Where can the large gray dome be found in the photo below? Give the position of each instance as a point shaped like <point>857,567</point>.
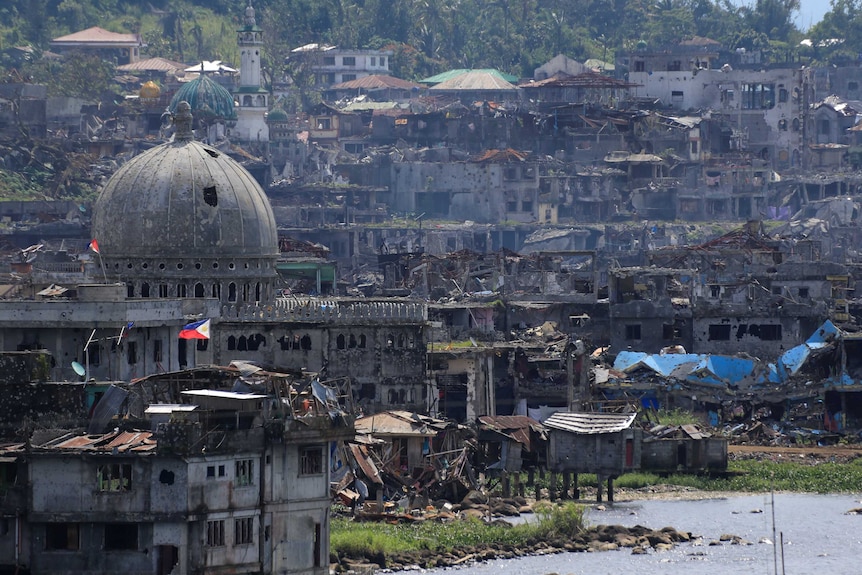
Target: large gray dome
<point>185,220</point>
<point>184,199</point>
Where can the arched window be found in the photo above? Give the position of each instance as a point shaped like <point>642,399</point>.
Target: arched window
<point>242,344</point>
<point>339,341</point>
<point>245,292</point>
<point>390,341</point>
<point>257,292</point>
<point>231,292</point>
<point>145,289</point>
<point>246,100</point>
<point>216,290</point>
<point>130,290</point>
<point>199,290</point>
<point>231,343</point>
<point>305,342</point>
<point>401,340</point>
<point>402,396</point>
<point>393,396</point>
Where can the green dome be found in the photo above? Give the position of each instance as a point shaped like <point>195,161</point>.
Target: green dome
<point>206,97</point>
<point>277,115</point>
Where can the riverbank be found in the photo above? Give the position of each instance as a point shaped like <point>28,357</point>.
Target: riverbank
<point>404,544</point>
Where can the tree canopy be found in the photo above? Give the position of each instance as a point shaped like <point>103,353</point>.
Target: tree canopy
<point>430,36</point>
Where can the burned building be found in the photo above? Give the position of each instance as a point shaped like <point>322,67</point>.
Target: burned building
<point>212,480</point>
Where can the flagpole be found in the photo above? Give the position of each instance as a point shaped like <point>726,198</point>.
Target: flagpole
<point>102,265</point>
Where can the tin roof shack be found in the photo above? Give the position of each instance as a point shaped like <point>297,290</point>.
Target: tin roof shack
<point>223,481</point>
<point>602,443</point>
<point>683,448</point>
<point>409,439</point>
<point>510,443</point>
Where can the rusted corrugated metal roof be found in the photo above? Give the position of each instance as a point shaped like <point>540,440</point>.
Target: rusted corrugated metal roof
<point>365,464</point>
<point>399,423</point>
<point>590,422</point>
<point>121,441</point>
<point>517,427</point>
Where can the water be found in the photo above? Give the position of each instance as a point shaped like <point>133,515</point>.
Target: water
<point>819,539</point>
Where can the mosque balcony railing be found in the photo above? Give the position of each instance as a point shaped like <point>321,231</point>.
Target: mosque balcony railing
<point>331,311</point>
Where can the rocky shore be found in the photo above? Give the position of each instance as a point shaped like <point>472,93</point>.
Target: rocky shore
<point>593,539</point>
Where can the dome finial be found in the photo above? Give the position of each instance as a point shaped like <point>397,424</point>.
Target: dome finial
<point>182,120</point>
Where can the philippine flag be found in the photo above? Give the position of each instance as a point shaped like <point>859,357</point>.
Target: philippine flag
<point>196,330</point>
<point>94,245</point>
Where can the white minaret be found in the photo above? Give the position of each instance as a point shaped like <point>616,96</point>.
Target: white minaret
<point>252,99</point>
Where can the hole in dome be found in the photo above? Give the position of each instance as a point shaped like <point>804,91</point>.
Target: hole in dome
<point>215,265</point>
<point>180,266</point>
<point>210,196</point>
<point>161,266</point>
<point>231,265</point>
<point>212,153</point>
<point>197,265</point>
<point>145,265</point>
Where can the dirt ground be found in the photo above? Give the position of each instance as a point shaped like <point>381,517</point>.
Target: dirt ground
<point>816,454</point>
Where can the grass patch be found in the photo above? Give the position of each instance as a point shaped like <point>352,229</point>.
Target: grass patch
<point>355,539</point>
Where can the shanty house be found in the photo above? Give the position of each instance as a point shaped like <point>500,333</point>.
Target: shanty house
<point>683,448</point>
<point>510,443</point>
<point>408,438</point>
<point>600,443</point>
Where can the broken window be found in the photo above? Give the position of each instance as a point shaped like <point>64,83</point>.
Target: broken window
<point>758,96</point>
<point>676,97</point>
<point>62,537</point>
<point>339,341</point>
<point>670,332</point>
<point>803,292</point>
<point>640,66</point>
<point>145,289</point>
<point>512,206</point>
<point>719,332</point>
<point>352,343</point>
<point>231,292</point>
<point>824,127</point>
<point>131,353</point>
<point>715,291</point>
<point>94,354</point>
<point>311,460</point>
<point>348,61</point>
<point>115,477</point>
<point>231,343</point>
<point>674,66</point>
<point>305,342</point>
<point>121,536</point>
<point>244,472</point>
<point>362,340</point>
<point>527,206</point>
<point>783,95</point>
<point>157,350</point>
<point>633,332</point>
<point>202,344</point>
<point>215,533</point>
<point>770,332</point>
<point>329,60</point>
<point>181,290</point>
<point>243,531</point>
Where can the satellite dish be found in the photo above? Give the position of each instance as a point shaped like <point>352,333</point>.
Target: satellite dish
<point>79,369</point>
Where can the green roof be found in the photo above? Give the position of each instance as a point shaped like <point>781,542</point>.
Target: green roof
<point>205,96</point>
<point>461,71</point>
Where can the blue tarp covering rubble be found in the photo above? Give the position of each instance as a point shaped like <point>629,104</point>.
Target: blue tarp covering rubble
<point>736,371</point>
